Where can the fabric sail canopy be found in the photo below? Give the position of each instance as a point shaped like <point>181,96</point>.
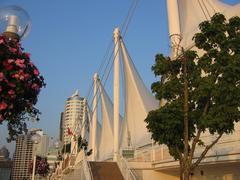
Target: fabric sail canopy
<point>106,140</point>
<point>193,12</point>
<point>138,102</point>
<point>99,129</point>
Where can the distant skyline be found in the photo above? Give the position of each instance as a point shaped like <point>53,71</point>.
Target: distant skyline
<point>68,40</point>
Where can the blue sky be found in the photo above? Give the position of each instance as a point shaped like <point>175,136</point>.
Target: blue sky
<point>68,40</point>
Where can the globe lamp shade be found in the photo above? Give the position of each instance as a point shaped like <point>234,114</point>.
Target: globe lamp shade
<point>14,22</point>
<point>57,144</point>
<point>36,138</point>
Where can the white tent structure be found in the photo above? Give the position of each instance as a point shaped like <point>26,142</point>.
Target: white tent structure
<point>138,102</point>
<point>184,17</point>
<point>94,125</point>
<point>106,140</point>
<point>113,134</point>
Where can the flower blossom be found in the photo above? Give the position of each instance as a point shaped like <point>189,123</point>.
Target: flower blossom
<point>8,66</point>
<point>20,63</point>
<point>2,76</point>
<point>11,92</point>
<point>35,86</point>
<point>36,72</point>
<point>3,105</point>
<point>1,41</point>
<point>1,118</point>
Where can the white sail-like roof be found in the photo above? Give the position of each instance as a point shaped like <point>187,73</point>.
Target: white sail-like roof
<point>193,12</point>
<point>106,141</point>
<point>138,102</point>
<point>99,128</point>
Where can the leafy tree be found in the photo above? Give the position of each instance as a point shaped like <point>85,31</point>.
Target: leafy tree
<point>202,92</point>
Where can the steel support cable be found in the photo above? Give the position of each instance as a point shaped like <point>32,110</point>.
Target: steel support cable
<point>206,8</point>
<point>125,28</point>
<point>210,5</point>
<point>110,61</point>
<point>100,68</point>
<point>127,22</point>
<point>129,17</point>
<point>202,10</point>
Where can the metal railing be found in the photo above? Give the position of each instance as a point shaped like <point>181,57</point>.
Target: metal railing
<point>227,146</point>
<point>86,168</point>
<point>127,173</point>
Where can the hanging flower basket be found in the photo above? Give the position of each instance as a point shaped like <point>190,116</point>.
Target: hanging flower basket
<point>20,84</point>
<point>42,166</point>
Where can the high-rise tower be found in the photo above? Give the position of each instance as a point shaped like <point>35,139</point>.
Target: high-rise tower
<point>22,157</point>
<point>73,116</point>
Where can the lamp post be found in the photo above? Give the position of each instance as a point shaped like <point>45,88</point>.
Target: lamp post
<point>58,145</point>
<point>15,22</point>
<point>36,138</point>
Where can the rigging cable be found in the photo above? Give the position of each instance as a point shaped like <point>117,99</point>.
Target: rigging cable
<point>206,9</point>
<point>202,9</point>
<point>111,60</point>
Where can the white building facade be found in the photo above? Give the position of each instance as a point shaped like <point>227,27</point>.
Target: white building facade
<point>73,116</point>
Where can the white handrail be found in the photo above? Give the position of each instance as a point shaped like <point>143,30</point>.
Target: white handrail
<point>124,168</point>
<point>86,168</point>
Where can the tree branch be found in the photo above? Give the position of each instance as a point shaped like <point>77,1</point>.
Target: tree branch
<point>181,163</point>
<point>205,152</point>
<point>179,153</point>
<point>196,139</point>
<point>185,111</point>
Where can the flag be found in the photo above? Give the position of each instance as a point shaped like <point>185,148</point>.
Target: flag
<point>69,132</point>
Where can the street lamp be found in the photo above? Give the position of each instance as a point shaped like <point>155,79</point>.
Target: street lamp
<point>15,22</point>
<point>58,145</point>
<point>36,138</point>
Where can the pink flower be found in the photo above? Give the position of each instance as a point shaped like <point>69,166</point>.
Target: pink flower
<point>7,65</point>
<point>2,77</point>
<point>11,92</point>
<point>28,55</point>
<point>20,63</point>
<point>1,41</point>
<point>21,77</point>
<point>35,87</point>
<point>3,105</point>
<point>1,118</point>
<point>36,72</point>
<point>10,60</point>
<point>13,49</point>
<point>15,76</point>
<point>26,76</point>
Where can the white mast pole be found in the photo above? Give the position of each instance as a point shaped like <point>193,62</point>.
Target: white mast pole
<point>83,133</point>
<point>174,27</point>
<point>116,90</point>
<point>94,118</point>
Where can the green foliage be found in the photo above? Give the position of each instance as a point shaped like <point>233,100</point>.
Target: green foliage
<point>213,77</point>
<point>82,144</point>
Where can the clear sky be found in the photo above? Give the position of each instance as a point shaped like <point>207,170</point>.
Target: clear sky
<point>69,38</point>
